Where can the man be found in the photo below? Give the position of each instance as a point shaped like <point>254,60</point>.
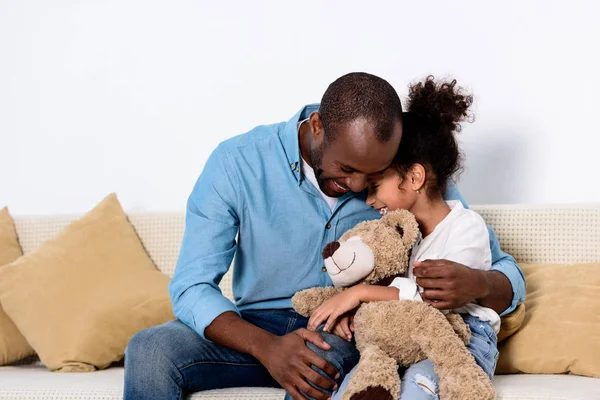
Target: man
<point>285,190</point>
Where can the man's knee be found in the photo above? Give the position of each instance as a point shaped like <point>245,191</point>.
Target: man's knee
<point>150,364</point>
<point>343,355</point>
<point>155,348</point>
<point>143,350</point>
<point>138,343</point>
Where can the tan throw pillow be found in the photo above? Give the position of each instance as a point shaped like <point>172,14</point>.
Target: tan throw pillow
<point>82,295</point>
<point>13,346</point>
<point>561,329</point>
<point>10,249</point>
<point>511,323</point>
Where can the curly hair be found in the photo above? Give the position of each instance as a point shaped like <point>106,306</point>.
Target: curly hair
<point>360,95</point>
<point>435,111</point>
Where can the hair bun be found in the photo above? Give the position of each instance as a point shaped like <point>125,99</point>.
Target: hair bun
<point>439,103</point>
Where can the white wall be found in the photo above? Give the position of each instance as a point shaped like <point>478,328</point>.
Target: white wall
<point>131,96</point>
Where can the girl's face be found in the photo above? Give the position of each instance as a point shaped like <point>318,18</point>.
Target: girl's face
<point>389,192</point>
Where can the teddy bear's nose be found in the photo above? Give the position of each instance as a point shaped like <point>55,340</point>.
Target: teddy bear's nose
<point>330,249</point>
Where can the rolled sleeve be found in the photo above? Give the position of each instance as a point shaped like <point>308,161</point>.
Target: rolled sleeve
<point>408,289</point>
<point>506,264</point>
<point>208,246</point>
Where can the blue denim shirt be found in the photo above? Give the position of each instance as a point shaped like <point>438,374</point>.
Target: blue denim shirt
<point>252,187</point>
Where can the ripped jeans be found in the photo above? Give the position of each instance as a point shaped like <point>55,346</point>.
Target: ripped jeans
<point>420,380</point>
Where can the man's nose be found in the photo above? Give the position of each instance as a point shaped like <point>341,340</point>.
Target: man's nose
<point>329,249</point>
<point>357,182</point>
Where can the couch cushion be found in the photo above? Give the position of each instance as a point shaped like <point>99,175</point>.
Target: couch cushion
<point>561,330</point>
<point>36,382</point>
<point>13,346</point>
<point>80,297</point>
<point>546,387</point>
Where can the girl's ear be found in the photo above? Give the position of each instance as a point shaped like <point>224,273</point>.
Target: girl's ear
<point>416,177</point>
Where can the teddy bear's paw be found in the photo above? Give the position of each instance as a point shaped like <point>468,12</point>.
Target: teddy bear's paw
<point>306,301</point>
<point>303,302</point>
<point>373,393</point>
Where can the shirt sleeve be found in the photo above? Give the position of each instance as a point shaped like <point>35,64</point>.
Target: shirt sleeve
<point>208,246</point>
<point>468,242</point>
<point>501,261</point>
<point>408,289</point>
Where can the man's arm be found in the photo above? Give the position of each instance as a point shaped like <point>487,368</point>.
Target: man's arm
<point>505,268</point>
<point>206,253</point>
<point>208,247</point>
<point>501,289</point>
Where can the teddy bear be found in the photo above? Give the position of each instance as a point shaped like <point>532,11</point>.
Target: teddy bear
<point>398,333</point>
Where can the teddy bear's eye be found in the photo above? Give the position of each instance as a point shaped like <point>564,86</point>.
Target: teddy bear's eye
<point>400,230</point>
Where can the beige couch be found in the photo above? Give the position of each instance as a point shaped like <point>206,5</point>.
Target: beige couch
<point>533,235</point>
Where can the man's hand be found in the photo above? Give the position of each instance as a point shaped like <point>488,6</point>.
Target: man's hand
<point>334,308</point>
<point>289,360</point>
<point>449,285</point>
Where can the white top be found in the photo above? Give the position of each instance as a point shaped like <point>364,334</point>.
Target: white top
<point>461,237</point>
<point>309,174</point>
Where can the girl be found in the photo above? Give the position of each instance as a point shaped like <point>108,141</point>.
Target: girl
<point>427,159</point>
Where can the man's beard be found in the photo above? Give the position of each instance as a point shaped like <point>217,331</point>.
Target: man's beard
<point>316,159</point>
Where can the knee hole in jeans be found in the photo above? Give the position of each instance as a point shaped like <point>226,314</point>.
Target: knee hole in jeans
<point>426,384</point>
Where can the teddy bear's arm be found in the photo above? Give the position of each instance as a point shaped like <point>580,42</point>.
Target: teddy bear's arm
<point>305,301</point>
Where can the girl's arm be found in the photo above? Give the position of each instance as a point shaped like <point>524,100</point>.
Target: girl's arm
<point>348,300</point>
<point>367,293</point>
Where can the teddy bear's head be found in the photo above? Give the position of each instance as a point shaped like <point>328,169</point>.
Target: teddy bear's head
<point>372,250</point>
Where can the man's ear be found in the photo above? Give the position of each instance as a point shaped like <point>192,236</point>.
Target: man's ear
<point>417,177</point>
<point>316,127</point>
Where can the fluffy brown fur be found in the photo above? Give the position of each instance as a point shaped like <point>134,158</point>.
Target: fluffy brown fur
<point>400,333</point>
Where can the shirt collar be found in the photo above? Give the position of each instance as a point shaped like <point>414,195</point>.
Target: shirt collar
<point>290,141</point>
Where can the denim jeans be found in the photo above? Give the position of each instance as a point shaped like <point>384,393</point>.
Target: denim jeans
<point>419,381</point>
<point>171,360</point>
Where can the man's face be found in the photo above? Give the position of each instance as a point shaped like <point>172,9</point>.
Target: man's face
<point>344,164</point>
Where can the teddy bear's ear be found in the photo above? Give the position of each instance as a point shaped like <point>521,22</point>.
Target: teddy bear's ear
<point>405,224</point>
<point>400,230</point>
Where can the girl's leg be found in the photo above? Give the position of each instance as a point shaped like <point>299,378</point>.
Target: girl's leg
<point>420,382</point>
<point>337,395</point>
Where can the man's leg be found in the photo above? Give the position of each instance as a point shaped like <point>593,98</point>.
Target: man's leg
<point>343,355</point>
<point>167,361</point>
<point>420,380</point>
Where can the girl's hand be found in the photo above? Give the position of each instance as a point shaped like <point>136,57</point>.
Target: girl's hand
<point>333,308</point>
<point>345,326</point>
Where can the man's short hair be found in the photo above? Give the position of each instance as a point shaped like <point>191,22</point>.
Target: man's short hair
<point>360,95</point>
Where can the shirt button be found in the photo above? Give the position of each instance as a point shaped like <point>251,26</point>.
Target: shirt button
<point>328,226</point>
<point>324,269</point>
